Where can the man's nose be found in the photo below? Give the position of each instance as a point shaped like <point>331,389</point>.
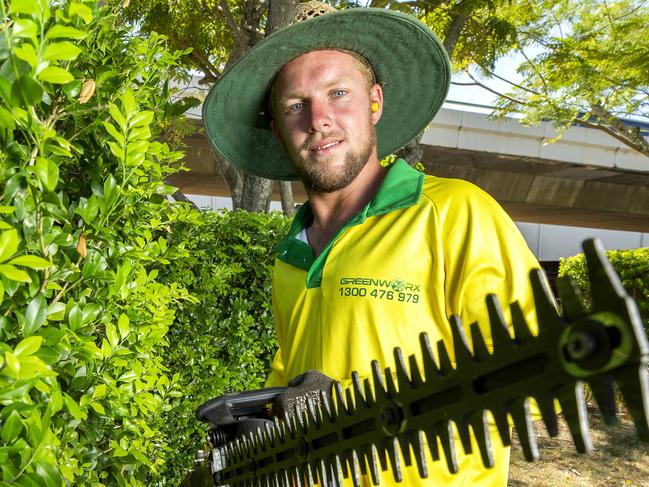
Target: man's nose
<point>319,116</point>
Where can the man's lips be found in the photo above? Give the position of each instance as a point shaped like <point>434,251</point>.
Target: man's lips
<point>324,146</point>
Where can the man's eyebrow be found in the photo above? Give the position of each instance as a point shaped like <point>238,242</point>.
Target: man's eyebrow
<point>327,85</point>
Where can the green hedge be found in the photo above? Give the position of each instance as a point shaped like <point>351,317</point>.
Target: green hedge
<point>84,223</point>
<point>224,339</point>
<point>632,267</point>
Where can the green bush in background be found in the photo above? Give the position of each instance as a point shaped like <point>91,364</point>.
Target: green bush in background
<point>224,339</point>
<point>84,224</point>
<point>631,265</point>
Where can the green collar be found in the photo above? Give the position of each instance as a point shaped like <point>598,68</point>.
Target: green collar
<point>401,188</point>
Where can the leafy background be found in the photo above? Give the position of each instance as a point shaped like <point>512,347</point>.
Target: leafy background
<point>120,312</point>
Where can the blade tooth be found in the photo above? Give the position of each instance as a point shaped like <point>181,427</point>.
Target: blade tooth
<point>462,426</point>
<point>336,471</point>
<point>545,303</point>
<point>445,366</point>
<point>344,464</point>
<point>402,373</point>
<point>549,414</point>
<point>285,478</point>
<point>395,462</point>
<point>313,418</point>
<point>341,406</point>
<point>502,424</point>
<point>480,349</point>
<point>324,408</point>
<point>571,305</point>
<point>321,469</point>
<point>310,481</point>
<point>522,417</point>
<point>383,455</point>
<point>269,436</point>
<point>480,425</point>
<point>389,382</point>
<point>633,381</point>
<point>371,457</point>
<point>417,442</point>
<point>297,476</point>
<point>404,444</point>
<point>460,342</point>
<point>292,424</point>
<point>297,419</point>
<point>447,440</point>
<point>354,468</point>
<point>415,374</point>
<point>369,396</point>
<point>278,430</point>
<point>522,333</point>
<point>431,372</point>
<point>605,286</point>
<point>351,406</point>
<point>500,336</point>
<point>573,405</point>
<point>379,384</point>
<point>604,392</point>
<point>359,397</point>
<point>431,436</point>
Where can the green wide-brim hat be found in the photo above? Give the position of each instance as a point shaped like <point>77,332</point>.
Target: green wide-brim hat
<point>408,60</point>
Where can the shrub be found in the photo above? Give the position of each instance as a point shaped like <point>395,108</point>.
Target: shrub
<point>631,265</point>
<point>224,339</point>
<point>83,232</point>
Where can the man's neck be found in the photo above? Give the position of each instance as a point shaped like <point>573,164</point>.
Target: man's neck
<point>331,211</point>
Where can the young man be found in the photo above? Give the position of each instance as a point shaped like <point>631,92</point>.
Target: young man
<point>377,255</point>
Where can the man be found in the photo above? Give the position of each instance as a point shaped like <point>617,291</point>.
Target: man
<point>377,254</point>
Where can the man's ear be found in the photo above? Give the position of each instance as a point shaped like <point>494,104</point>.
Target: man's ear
<point>376,101</point>
<point>275,130</point>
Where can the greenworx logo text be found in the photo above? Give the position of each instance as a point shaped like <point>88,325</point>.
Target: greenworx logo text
<point>398,285</point>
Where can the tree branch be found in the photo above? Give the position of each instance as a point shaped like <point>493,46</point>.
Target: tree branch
<point>491,90</point>
<point>229,19</point>
<point>494,75</point>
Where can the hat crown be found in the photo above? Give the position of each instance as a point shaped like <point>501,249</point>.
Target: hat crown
<point>309,10</point>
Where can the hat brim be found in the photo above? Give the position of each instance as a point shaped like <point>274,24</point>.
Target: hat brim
<point>409,61</point>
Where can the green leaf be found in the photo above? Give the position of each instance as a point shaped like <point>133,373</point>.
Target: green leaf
<point>117,116</point>
<point>55,75</point>
<point>98,408</point>
<point>29,7</point>
<point>8,244</point>
<point>73,408</point>
<point>26,52</point>
<point>100,391</point>
<point>31,261</point>
<point>28,346</point>
<point>47,172</point>
<point>58,31</point>
<point>12,362</point>
<point>56,401</point>
<point>123,325</point>
<point>6,119</point>
<point>112,130</point>
<point>111,334</point>
<point>7,210</point>
<point>12,427</point>
<point>13,273</point>
<point>46,472</point>
<point>61,51</point>
<point>35,315</point>
<point>26,91</point>
<point>80,10</point>
<point>25,28</point>
<point>129,104</point>
<point>75,318</point>
<point>56,311</point>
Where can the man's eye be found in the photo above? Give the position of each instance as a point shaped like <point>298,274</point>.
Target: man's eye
<point>339,93</point>
<point>295,107</point>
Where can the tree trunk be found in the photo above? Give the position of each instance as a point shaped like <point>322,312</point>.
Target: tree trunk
<point>286,194</point>
<point>453,33</point>
<point>412,151</point>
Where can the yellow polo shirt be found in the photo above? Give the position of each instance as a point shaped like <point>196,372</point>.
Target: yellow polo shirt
<point>423,249</point>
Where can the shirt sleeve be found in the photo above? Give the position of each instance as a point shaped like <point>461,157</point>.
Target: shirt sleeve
<point>484,253</point>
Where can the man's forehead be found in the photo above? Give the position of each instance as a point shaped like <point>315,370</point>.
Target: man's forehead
<point>348,63</point>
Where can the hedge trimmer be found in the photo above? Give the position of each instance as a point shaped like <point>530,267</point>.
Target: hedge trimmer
<point>397,415</point>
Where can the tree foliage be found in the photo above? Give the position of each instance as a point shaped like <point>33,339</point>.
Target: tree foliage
<point>83,229</point>
<point>592,69</point>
